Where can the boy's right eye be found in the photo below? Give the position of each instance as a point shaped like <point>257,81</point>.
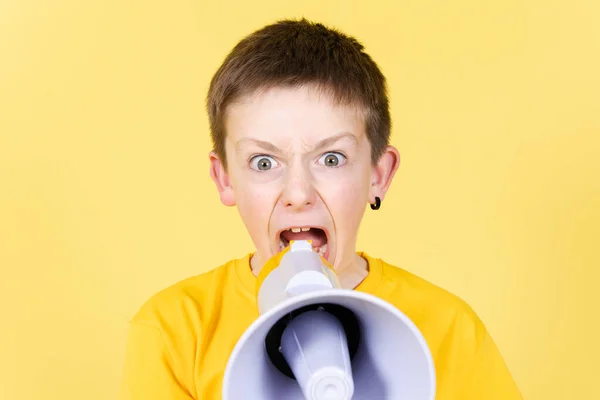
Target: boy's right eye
<point>263,163</point>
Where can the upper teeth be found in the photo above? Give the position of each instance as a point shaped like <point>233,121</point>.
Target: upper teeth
<point>296,230</point>
<point>321,250</point>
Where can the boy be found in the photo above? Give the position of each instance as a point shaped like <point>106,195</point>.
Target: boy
<point>300,123</point>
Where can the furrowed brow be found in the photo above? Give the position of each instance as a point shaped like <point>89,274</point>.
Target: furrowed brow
<point>271,148</point>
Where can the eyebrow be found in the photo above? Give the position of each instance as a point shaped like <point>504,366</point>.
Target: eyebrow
<point>270,147</point>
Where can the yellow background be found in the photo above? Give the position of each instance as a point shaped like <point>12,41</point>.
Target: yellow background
<point>105,196</point>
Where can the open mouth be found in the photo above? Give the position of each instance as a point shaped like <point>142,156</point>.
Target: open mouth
<point>317,236</point>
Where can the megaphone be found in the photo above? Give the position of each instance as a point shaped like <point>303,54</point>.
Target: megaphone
<point>314,340</point>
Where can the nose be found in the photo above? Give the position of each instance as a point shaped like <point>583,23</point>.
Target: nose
<point>298,191</point>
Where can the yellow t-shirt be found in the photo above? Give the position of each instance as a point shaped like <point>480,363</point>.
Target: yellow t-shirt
<point>180,340</point>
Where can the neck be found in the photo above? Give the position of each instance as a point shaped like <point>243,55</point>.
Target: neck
<point>350,274</point>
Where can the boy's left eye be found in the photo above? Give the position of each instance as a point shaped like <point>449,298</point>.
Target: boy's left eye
<point>332,159</point>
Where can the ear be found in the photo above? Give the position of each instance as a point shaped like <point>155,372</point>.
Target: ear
<point>219,175</point>
<point>383,173</point>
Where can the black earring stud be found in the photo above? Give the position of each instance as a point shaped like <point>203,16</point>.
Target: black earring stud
<point>377,204</point>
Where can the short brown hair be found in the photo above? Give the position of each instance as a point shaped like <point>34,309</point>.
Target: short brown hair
<point>292,53</point>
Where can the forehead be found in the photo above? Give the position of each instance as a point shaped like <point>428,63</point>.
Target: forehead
<point>296,113</point>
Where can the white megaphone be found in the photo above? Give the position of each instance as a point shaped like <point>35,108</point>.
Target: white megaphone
<point>317,341</point>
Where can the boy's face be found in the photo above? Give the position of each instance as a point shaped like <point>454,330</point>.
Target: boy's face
<point>295,161</point>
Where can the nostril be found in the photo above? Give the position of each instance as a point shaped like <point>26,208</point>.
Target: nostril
<point>298,198</point>
<point>292,204</point>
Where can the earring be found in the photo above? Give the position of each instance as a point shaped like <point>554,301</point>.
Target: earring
<point>377,204</point>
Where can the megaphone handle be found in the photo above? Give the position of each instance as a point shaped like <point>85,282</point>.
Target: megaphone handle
<point>346,317</point>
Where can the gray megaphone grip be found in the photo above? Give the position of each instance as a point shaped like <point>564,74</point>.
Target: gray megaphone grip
<point>346,317</point>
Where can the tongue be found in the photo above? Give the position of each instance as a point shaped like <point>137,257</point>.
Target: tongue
<point>317,236</point>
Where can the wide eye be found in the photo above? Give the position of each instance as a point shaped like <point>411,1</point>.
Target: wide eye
<point>263,163</point>
<point>332,159</point>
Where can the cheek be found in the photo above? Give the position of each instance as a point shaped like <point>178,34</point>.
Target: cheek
<point>255,204</point>
<point>346,200</point>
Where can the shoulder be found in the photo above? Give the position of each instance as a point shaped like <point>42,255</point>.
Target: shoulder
<point>425,290</point>
<point>188,296</point>
<point>468,363</point>
<point>444,315</point>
